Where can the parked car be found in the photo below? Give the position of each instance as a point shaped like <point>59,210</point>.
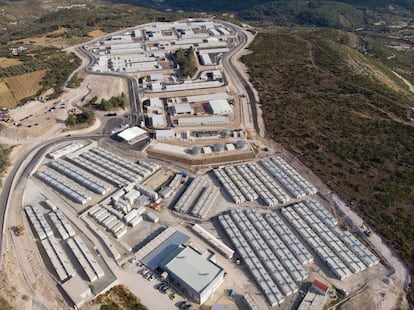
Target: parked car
<point>145,271</point>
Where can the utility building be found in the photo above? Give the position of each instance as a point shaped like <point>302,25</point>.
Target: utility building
<point>196,275</point>
<point>220,107</point>
<point>182,108</point>
<point>133,135</point>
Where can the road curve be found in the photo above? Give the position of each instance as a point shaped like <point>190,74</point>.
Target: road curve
<point>135,104</point>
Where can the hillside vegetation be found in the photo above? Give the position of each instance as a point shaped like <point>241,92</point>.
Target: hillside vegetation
<point>350,14</point>
<point>340,113</point>
<point>237,6</point>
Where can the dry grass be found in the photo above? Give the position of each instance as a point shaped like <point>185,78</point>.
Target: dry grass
<point>8,62</point>
<point>54,38</point>
<point>7,99</point>
<point>13,89</point>
<point>96,33</point>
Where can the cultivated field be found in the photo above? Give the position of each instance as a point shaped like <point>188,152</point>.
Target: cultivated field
<point>7,100</point>
<point>7,62</point>
<point>15,88</point>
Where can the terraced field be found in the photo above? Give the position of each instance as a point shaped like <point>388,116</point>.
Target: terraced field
<point>13,89</point>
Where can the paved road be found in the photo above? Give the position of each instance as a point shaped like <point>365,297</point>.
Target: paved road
<point>238,79</point>
<point>135,104</point>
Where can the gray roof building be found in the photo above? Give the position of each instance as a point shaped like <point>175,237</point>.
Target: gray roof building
<point>195,274</point>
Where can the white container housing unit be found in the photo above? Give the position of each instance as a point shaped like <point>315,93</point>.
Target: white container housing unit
<point>72,147</point>
<point>39,223</point>
<point>255,266</point>
<point>58,258</point>
<point>87,261</point>
<point>66,189</point>
<point>79,177</point>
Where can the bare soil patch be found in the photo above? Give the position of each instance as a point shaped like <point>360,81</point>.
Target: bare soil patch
<point>7,62</point>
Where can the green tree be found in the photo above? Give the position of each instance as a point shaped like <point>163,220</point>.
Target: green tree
<point>71,120</point>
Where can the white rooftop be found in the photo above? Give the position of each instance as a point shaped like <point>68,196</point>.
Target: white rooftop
<point>220,107</point>
<point>165,134</point>
<point>156,103</point>
<point>193,269</point>
<point>131,133</point>
<point>156,76</point>
<point>77,290</point>
<point>183,108</point>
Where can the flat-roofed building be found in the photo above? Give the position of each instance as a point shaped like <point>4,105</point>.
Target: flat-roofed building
<point>133,135</point>
<point>182,108</point>
<point>165,134</point>
<point>220,107</point>
<point>77,291</point>
<point>157,120</point>
<point>196,274</point>
<point>315,298</point>
<point>156,103</point>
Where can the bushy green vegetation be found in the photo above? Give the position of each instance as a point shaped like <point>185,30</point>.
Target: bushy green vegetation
<point>185,58</point>
<point>236,6</point>
<point>346,126</point>
<point>118,298</point>
<point>56,76</point>
<point>108,105</point>
<point>85,117</point>
<point>296,12</point>
<point>113,103</point>
<point>196,5</point>
<point>4,158</point>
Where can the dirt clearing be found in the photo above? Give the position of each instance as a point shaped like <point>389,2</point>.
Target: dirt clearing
<point>104,87</point>
<point>96,33</point>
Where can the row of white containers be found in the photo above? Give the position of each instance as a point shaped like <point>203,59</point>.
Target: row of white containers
<point>99,171</point>
<point>38,221</point>
<point>270,261</point>
<point>264,180</point>
<point>69,148</point>
<point>85,258</point>
<point>78,176</point>
<point>198,198</point>
<point>341,251</point>
<point>62,225</point>
<point>259,273</point>
<point>58,258</point>
<point>53,248</point>
<point>66,189</point>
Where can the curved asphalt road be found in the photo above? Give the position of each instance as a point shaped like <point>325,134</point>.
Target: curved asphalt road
<point>135,104</point>
<point>228,65</point>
